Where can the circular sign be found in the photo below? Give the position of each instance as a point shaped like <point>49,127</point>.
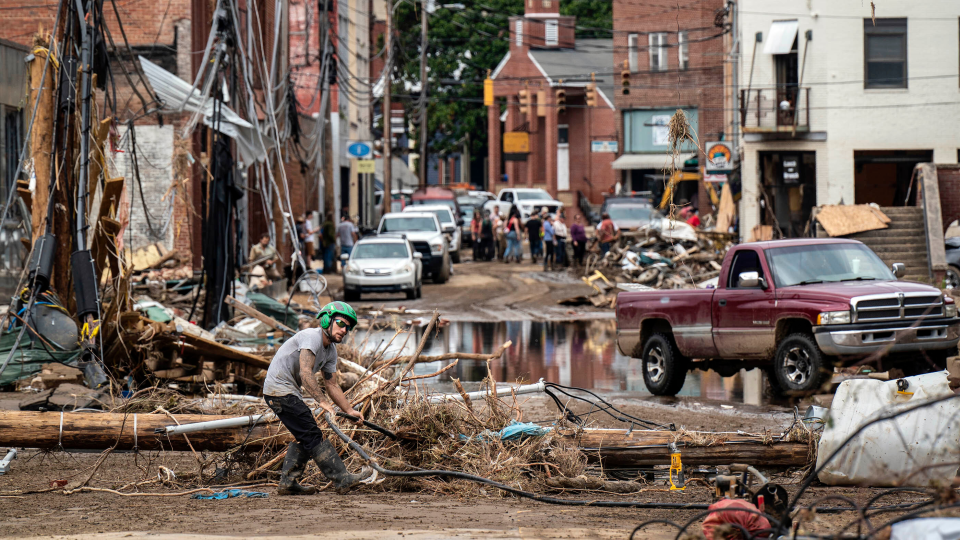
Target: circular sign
<point>359,149</point>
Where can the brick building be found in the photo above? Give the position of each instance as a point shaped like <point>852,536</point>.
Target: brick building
<point>675,60</point>
<point>571,144</point>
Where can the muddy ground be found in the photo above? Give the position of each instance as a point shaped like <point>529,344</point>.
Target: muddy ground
<point>493,291</point>
<point>368,512</point>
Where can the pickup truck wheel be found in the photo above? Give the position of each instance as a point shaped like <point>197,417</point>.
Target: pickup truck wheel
<point>444,274</point>
<point>664,368</point>
<point>798,366</point>
<point>456,257</point>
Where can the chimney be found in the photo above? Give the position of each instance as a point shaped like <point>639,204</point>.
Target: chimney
<point>542,27</point>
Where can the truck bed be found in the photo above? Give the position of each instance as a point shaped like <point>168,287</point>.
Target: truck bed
<point>687,311</point>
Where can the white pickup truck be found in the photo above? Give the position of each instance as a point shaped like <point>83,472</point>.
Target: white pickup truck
<point>527,200</point>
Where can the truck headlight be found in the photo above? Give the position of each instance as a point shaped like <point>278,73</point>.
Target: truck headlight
<point>436,248</point>
<point>353,269</point>
<point>949,310</point>
<point>833,317</point>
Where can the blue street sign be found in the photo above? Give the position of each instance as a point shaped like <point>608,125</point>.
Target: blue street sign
<point>359,149</point>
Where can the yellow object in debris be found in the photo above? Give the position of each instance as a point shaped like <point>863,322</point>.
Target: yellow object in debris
<point>676,468</point>
<point>596,275</point>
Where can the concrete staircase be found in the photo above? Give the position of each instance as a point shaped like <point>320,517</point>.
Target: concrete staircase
<point>903,241</point>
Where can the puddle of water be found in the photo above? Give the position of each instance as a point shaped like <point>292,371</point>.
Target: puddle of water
<point>581,353</point>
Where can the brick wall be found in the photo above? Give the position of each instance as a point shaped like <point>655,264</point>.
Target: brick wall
<point>949,181</point>
<point>154,151</point>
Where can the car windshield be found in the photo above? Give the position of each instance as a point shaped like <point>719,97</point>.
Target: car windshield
<point>822,263</point>
<point>445,216</point>
<point>429,202</point>
<point>534,196</point>
<point>409,224</point>
<point>631,212</point>
<point>380,250</point>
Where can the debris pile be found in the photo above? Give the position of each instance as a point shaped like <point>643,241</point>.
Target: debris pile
<point>651,259</point>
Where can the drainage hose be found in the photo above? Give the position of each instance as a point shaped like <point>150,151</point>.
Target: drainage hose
<point>479,479</point>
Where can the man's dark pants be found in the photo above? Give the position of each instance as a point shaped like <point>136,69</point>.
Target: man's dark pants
<point>297,417</point>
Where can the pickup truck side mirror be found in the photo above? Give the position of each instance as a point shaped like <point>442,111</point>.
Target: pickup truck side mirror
<point>749,280</point>
<point>344,257</point>
<point>417,255</point>
<point>898,269</point>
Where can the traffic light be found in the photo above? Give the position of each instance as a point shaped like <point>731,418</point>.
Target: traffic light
<point>561,101</point>
<point>625,78</point>
<point>524,101</point>
<point>591,94</point>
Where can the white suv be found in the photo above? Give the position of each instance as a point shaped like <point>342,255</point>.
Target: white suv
<point>385,263</point>
<point>448,223</point>
<point>424,231</point>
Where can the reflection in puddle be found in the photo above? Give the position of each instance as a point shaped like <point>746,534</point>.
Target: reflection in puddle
<point>582,354</point>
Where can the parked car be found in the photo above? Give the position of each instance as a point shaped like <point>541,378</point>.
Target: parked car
<point>527,200</point>
<point>448,223</point>
<point>383,263</point>
<point>631,214</point>
<point>952,246</point>
<point>795,308</point>
<point>424,231</point>
<point>467,205</point>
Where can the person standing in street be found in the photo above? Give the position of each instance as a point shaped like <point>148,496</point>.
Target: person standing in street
<point>560,232</point>
<point>486,237</point>
<point>578,235</point>
<point>328,242</point>
<point>607,233</point>
<point>475,225</point>
<point>296,364</point>
<point>694,219</point>
<point>311,238</point>
<point>514,249</point>
<point>534,224</point>
<point>500,235</point>
<point>549,242</point>
<point>348,233</point>
<point>265,255</point>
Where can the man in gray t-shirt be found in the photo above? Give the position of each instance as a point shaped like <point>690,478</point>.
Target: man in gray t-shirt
<point>296,364</point>
<point>348,234</point>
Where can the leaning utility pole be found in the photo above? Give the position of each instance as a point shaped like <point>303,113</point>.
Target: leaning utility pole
<point>423,96</point>
<point>387,113</point>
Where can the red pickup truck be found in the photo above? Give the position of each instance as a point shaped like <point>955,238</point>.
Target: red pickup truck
<point>795,308</point>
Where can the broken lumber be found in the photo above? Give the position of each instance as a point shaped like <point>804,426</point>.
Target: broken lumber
<point>98,431</point>
<point>252,312</point>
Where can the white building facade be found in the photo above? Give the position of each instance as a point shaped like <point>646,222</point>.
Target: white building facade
<point>838,106</point>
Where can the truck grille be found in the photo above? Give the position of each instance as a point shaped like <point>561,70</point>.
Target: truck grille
<point>424,249</point>
<point>892,307</point>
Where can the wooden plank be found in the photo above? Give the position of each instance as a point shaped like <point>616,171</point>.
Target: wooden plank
<point>727,211</point>
<point>105,250</point>
<point>26,196</point>
<point>110,199</point>
<point>97,159</point>
<point>41,137</point>
<point>98,431</point>
<point>167,334</point>
<point>843,220</point>
<point>251,312</point>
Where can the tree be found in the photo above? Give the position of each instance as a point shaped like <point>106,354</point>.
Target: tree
<point>594,17</point>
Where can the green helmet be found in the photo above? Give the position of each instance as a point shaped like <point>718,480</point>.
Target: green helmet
<point>332,310</point>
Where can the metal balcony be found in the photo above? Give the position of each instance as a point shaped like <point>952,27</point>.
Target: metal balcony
<point>784,109</point>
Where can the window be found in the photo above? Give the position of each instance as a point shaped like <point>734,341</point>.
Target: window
<point>658,52</point>
<point>550,32</point>
<point>633,55</point>
<point>563,134</point>
<point>885,53</point>
<point>547,3</point>
<point>684,48</point>
<point>518,30</point>
<point>744,261</point>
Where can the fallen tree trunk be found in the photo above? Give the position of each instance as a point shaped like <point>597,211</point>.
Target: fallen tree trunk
<point>773,455</point>
<point>99,431</point>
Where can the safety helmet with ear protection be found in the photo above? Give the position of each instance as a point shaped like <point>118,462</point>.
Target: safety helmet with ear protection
<point>334,309</point>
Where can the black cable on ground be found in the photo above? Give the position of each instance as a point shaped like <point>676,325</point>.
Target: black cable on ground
<point>606,408</point>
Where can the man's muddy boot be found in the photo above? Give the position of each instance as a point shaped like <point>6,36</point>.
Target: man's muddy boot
<point>293,465</point>
<point>326,457</point>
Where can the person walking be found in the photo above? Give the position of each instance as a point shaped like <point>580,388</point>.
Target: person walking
<point>578,235</point>
<point>328,242</point>
<point>560,232</point>
<point>348,233</point>
<point>501,239</point>
<point>549,243</point>
<point>486,237</point>
<point>514,250</point>
<point>475,224</point>
<point>534,225</point>
<point>296,364</point>
<point>606,233</point>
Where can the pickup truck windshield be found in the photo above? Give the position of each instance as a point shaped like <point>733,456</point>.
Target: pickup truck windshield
<point>816,263</point>
<point>533,196</point>
<point>445,216</point>
<point>392,250</point>
<point>409,224</point>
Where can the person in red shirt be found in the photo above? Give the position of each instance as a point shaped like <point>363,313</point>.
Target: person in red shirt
<point>694,219</point>
<point>607,232</point>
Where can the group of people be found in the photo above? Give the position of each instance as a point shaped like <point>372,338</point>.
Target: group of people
<point>499,237</point>
<point>311,238</point>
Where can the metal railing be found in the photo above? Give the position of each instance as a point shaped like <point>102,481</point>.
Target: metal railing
<point>784,108</point>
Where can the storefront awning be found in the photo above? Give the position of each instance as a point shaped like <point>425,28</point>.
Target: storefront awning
<point>650,161</point>
<point>781,37</point>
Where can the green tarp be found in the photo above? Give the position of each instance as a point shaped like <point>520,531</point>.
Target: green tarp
<point>30,356</point>
<point>270,307</point>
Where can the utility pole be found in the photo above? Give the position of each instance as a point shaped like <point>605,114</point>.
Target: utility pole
<point>423,95</point>
<point>387,113</point>
<point>735,76</point>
